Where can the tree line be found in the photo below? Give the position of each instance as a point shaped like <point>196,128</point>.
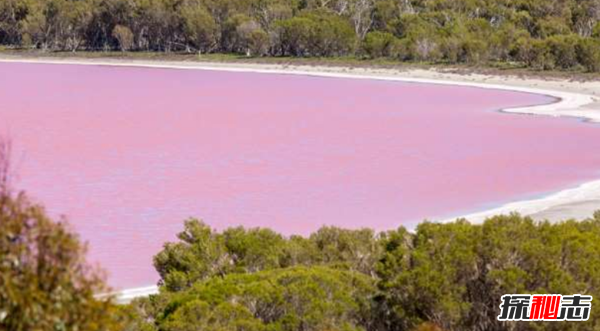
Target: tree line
<point>541,34</point>
<point>439,277</point>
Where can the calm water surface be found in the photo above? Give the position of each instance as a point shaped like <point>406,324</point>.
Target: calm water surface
<point>128,153</point>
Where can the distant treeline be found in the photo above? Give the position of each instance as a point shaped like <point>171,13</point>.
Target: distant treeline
<point>541,34</point>
<point>440,277</point>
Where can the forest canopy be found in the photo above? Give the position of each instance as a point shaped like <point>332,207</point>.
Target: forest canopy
<point>439,277</point>
<point>540,34</point>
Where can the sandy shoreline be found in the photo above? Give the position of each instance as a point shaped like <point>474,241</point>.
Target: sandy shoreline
<point>576,99</point>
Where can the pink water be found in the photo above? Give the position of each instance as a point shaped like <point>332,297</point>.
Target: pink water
<point>129,153</point>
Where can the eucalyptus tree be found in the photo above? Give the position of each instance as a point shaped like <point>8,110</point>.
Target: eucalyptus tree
<point>540,34</point>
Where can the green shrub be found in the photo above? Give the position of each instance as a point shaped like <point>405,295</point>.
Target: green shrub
<point>316,33</point>
<point>588,54</point>
<point>453,274</point>
<point>299,298</point>
<point>379,44</point>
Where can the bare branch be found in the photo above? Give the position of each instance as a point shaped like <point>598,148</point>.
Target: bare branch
<point>5,162</point>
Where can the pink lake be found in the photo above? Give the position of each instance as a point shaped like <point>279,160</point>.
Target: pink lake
<point>128,153</point>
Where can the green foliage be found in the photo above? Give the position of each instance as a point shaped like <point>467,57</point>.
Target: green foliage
<point>200,27</point>
<point>297,298</point>
<point>203,253</point>
<point>12,13</point>
<point>349,249</point>
<point>316,33</point>
<point>254,250</point>
<point>588,54</point>
<point>439,277</point>
<point>379,44</point>
<point>562,50</point>
<point>540,34</point>
<point>596,31</point>
<point>45,283</point>
<point>252,38</point>
<point>453,274</point>
<point>200,254</point>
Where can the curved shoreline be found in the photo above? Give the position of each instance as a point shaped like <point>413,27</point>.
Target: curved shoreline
<point>568,104</point>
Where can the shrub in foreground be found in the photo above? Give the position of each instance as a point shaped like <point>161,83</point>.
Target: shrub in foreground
<point>453,275</point>
<point>45,283</point>
<point>296,298</point>
<point>439,277</point>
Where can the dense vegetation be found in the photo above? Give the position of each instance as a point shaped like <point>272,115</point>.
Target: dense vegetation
<point>541,34</point>
<point>45,283</point>
<point>440,277</point>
